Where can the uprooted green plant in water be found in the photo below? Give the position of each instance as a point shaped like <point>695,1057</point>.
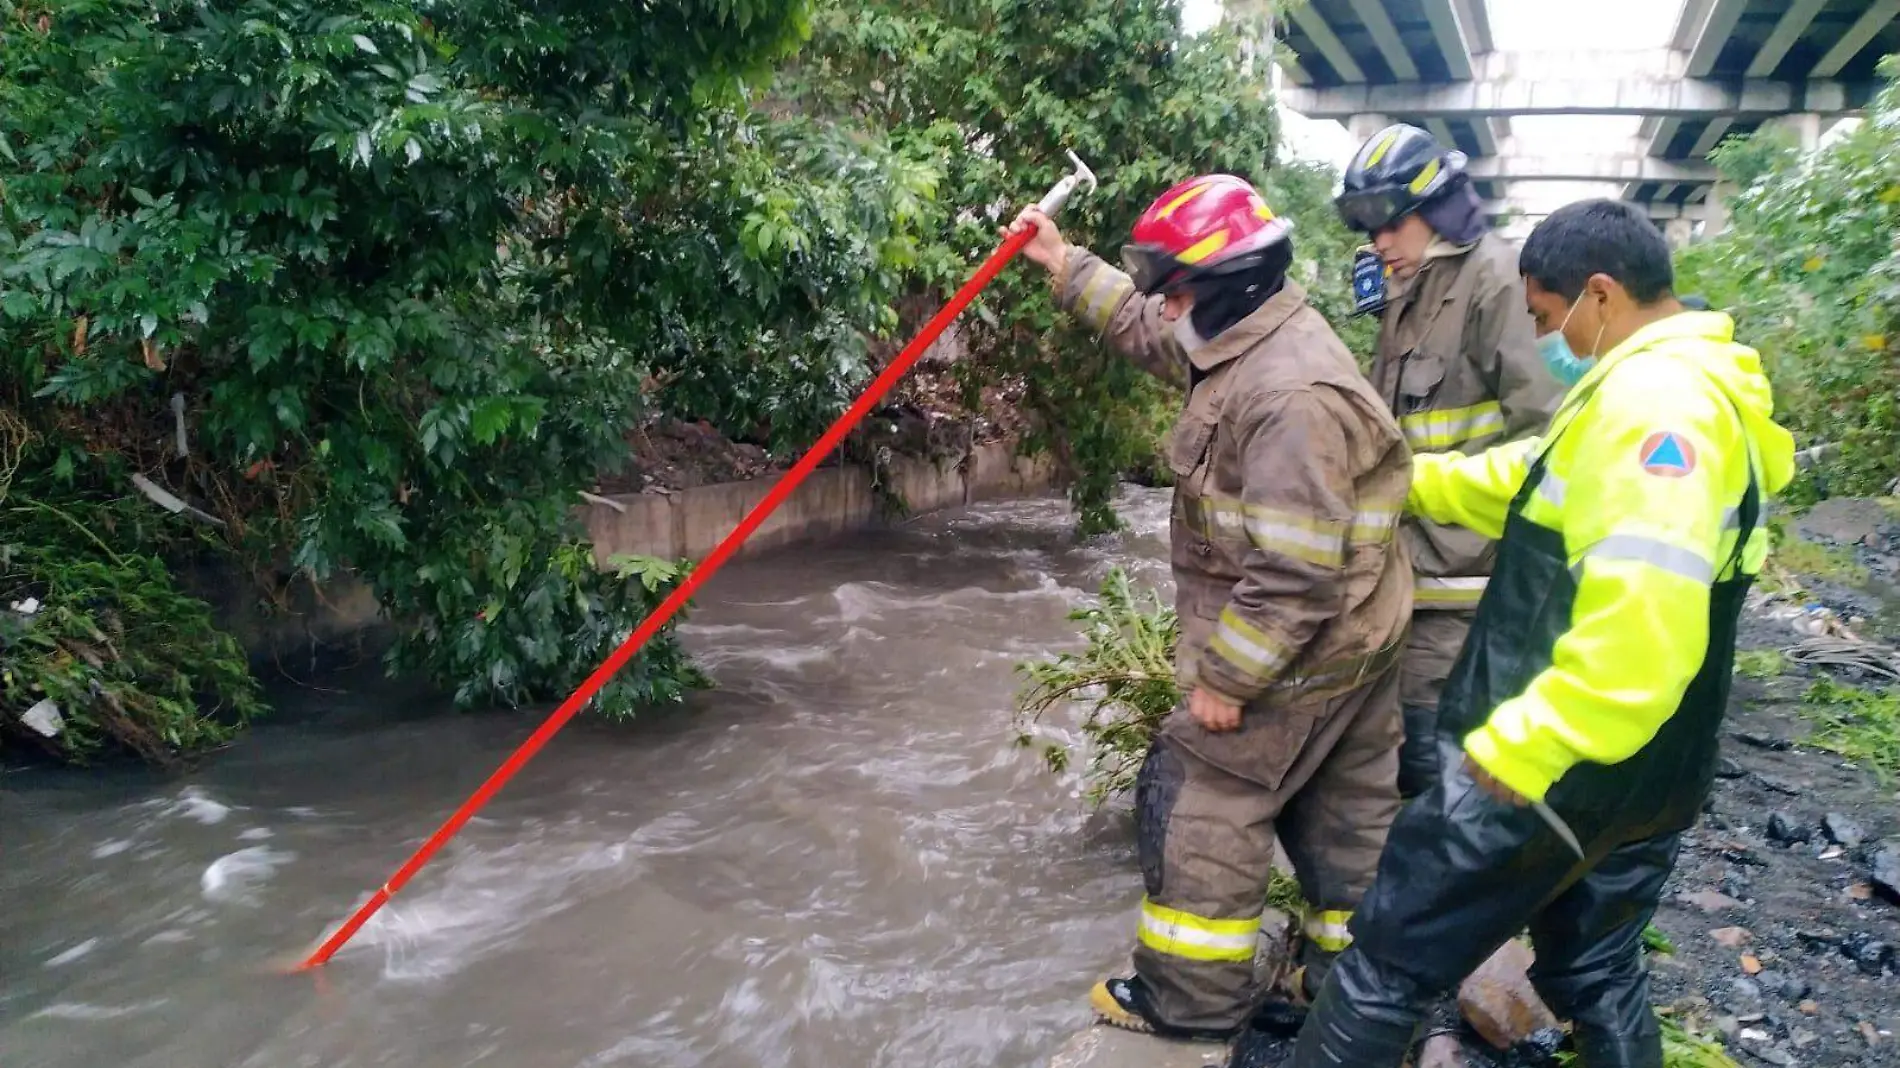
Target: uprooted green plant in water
<point>1125,673</point>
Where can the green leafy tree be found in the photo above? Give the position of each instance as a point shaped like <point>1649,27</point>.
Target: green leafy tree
<point>1810,268</point>
<point>412,272</point>
<point>993,91</point>
<point>380,286</point>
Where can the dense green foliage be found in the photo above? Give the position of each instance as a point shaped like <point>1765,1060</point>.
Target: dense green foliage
<point>411,270</point>
<point>381,286</point>
<point>1810,268</point>
<point>993,91</point>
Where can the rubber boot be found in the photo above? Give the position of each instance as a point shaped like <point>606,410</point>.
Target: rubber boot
<point>1339,1032</point>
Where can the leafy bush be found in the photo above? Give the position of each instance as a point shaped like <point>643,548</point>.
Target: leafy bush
<point>403,266</point>
<point>1810,268</point>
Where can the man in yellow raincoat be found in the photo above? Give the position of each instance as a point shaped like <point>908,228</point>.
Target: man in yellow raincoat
<point>1579,729</point>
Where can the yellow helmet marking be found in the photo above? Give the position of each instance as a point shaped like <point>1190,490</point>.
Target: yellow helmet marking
<point>1424,178</point>
<point>1174,205</point>
<point>1204,248</point>
<point>1383,147</point>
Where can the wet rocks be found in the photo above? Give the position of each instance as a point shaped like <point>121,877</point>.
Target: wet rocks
<point>1442,1051</point>
<point>1788,830</point>
<point>1740,995</point>
<point>1708,900</point>
<point>1726,768</point>
<point>1769,1054</point>
<point>1867,952</point>
<point>1817,941</point>
<point>1885,876</point>
<point>1842,831</point>
<point>1791,988</point>
<point>1535,1051</point>
<point>1760,740</point>
<point>1778,786</point>
<point>1498,1001</point>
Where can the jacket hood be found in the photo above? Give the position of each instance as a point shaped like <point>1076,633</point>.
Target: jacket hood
<point>1707,339</point>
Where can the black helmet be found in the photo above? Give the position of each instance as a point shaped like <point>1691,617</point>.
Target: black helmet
<point>1395,171</point>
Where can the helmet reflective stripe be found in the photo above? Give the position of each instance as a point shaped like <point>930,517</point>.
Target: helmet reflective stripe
<point>1203,248</point>
<point>1385,145</point>
<point>1174,205</point>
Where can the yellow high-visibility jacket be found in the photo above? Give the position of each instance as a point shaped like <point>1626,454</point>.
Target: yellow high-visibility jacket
<point>1643,483</point>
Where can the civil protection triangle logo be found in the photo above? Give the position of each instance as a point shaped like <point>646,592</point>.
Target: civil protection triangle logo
<point>1667,454</point>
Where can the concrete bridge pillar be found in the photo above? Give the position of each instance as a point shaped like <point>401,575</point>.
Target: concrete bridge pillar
<point>1364,126</point>
<point>1805,128</point>
<point>1679,232</point>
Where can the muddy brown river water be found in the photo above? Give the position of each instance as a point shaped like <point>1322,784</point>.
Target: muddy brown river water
<point>836,859</point>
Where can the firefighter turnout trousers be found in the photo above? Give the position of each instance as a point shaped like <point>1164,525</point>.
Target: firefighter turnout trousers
<point>1319,776</point>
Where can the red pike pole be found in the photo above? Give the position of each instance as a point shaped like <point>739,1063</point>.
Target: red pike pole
<point>1050,205</point>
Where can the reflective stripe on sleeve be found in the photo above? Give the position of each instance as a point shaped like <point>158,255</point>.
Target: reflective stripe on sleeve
<point>1448,592</point>
<point>1246,648</point>
<point>1445,427</point>
<point>1658,554</point>
<point>1100,296</point>
<point>1372,526</point>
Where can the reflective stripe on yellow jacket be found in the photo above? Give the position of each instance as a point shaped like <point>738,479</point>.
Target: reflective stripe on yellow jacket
<point>1643,483</point>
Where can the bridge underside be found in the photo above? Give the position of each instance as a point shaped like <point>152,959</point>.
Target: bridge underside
<point>1730,67</point>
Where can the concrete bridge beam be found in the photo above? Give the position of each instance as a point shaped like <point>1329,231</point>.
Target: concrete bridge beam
<point>1554,94</point>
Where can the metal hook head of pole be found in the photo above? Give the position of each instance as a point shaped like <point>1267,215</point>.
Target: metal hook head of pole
<point>1058,194</point>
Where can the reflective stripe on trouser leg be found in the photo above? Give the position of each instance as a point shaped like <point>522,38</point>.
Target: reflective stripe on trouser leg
<point>1326,937</point>
<point>1326,930</point>
<point>1183,934</point>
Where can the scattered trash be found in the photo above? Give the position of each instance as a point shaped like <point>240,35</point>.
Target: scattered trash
<point>44,718</point>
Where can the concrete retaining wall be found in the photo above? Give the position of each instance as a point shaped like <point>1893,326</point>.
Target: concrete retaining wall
<point>686,523</point>
<point>833,501</point>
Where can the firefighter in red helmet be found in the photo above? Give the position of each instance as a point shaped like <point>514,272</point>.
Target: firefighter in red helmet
<point>1292,592</point>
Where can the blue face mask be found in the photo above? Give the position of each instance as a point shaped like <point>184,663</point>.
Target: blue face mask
<point>1567,367</point>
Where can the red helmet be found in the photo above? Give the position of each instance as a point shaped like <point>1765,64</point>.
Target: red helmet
<point>1211,225</point>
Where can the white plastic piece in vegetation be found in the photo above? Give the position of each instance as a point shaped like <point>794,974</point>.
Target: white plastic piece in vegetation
<point>44,717</point>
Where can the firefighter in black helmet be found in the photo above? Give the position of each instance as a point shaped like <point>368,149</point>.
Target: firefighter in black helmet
<point>1457,360</point>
